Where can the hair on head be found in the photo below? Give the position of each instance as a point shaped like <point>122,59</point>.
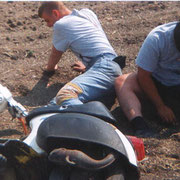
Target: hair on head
<point>48,6</point>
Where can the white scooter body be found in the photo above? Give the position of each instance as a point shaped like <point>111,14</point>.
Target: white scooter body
<point>34,125</point>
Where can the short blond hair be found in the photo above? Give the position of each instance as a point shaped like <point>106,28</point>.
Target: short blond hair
<point>49,6</point>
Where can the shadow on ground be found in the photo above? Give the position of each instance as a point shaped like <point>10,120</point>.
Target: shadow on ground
<point>40,94</point>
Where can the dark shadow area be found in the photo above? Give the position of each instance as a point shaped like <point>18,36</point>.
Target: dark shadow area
<point>155,122</point>
<point>122,122</point>
<point>108,100</point>
<point>9,132</point>
<point>41,93</point>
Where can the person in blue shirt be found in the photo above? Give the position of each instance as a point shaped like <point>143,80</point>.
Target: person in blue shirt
<point>81,32</point>
<point>157,77</point>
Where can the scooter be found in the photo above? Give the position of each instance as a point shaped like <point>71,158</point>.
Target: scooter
<point>68,142</point>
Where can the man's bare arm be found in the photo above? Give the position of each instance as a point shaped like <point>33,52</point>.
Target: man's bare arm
<point>148,86</point>
<point>53,59</point>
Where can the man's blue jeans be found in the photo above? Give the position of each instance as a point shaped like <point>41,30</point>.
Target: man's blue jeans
<point>97,81</point>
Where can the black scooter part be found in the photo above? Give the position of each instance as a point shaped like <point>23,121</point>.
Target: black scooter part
<point>78,127</point>
<point>82,132</point>
<point>94,108</point>
<point>22,162</point>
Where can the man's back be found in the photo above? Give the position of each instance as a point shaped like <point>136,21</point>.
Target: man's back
<point>82,33</point>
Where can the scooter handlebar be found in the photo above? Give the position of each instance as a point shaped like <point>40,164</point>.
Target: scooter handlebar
<point>16,109</point>
<point>7,102</point>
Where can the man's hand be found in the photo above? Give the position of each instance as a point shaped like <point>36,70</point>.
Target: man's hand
<point>166,114</point>
<point>49,73</point>
<point>79,66</point>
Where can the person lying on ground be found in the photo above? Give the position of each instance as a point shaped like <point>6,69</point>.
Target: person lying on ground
<point>157,77</point>
<point>80,31</point>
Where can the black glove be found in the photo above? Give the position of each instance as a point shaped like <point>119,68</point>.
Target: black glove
<point>48,73</point>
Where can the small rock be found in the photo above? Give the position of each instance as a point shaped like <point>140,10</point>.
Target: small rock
<point>35,16</point>
<point>19,23</point>
<point>30,38</point>
<point>12,25</point>
<point>14,57</point>
<point>7,38</point>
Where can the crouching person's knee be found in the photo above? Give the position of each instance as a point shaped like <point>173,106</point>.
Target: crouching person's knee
<point>127,83</point>
<point>69,91</point>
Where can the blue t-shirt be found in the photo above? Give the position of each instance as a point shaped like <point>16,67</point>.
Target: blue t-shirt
<point>160,56</point>
<point>82,33</point>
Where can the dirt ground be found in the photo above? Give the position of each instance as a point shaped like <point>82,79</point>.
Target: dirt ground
<point>25,44</point>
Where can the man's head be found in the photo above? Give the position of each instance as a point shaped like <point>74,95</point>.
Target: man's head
<point>52,11</point>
